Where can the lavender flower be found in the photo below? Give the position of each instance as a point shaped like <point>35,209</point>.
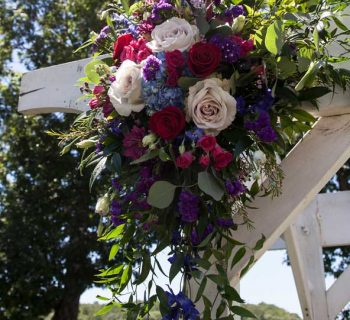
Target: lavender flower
<point>116,185</point>
<point>151,67</point>
<point>225,222</point>
<point>116,211</point>
<point>189,206</point>
<point>103,34</point>
<point>197,238</point>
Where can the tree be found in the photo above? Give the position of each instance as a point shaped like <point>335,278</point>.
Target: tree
<point>48,248</point>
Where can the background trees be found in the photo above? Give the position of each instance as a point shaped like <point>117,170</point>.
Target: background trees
<point>48,248</point>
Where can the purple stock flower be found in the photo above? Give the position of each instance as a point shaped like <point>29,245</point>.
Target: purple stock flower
<point>234,188</point>
<point>262,127</point>
<point>233,12</point>
<point>151,67</point>
<point>230,49</point>
<point>114,126</point>
<point>189,206</point>
<point>103,34</point>
<point>162,5</point>
<point>264,103</point>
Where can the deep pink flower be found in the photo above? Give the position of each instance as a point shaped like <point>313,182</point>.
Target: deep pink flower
<point>184,160</point>
<point>132,143</point>
<point>136,51</point>
<point>128,53</point>
<point>204,161</point>
<point>98,89</point>
<point>207,143</point>
<point>94,103</point>
<point>222,158</point>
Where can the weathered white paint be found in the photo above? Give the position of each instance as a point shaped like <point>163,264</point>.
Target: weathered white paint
<point>53,89</point>
<point>303,241</point>
<point>308,167</point>
<point>338,295</point>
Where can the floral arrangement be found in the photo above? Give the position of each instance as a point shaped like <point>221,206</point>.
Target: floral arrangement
<point>189,114</point>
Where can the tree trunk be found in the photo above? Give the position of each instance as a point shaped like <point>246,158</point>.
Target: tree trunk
<point>68,307</point>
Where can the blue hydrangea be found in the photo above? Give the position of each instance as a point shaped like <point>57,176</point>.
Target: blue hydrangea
<point>156,94</point>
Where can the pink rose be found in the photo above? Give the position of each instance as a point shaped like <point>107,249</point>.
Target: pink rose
<point>204,161</point>
<point>184,160</point>
<point>207,143</point>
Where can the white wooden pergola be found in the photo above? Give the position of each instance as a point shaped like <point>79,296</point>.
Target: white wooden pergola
<point>306,220</point>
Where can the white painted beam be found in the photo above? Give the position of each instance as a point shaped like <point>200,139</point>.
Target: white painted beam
<point>333,214</point>
<point>303,241</point>
<point>53,89</point>
<point>338,295</point>
<point>307,168</point>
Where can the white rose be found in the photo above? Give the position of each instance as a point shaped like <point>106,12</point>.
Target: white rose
<point>210,107</point>
<point>102,205</point>
<point>125,91</point>
<point>173,34</point>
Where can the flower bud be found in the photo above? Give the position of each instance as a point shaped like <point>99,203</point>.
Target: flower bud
<point>104,15</point>
<point>149,139</point>
<point>182,149</point>
<point>102,205</point>
<point>238,24</point>
<point>85,144</point>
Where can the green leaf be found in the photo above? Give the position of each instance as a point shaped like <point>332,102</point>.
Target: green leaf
<point>210,185</point>
<point>247,267</point>
<point>147,156</point>
<point>125,4</point>
<point>116,161</point>
<point>163,155</point>
<point>104,310</point>
<point>113,252</point>
<point>286,67</point>
<point>115,233</point>
<point>201,289</point>
<point>176,267</point>
<point>274,39</point>
<point>221,308</point>
<point>146,267</point>
<point>310,75</point>
<point>97,171</point>
<point>238,256</point>
<point>186,82</point>
<point>232,294</point>
<point>90,70</point>
<point>313,93</point>
<point>163,299</point>
<point>161,194</point>
<point>242,312</point>
<point>304,116</point>
<point>125,276</point>
<point>316,37</point>
<point>259,244</point>
<point>219,280</point>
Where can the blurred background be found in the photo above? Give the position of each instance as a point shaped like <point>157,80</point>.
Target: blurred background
<point>48,249</point>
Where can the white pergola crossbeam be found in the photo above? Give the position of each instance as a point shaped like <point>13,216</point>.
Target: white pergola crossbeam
<point>308,167</point>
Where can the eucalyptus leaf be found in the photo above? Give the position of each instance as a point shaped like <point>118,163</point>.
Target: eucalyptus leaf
<point>147,156</point>
<point>210,185</point>
<point>97,171</point>
<point>240,311</point>
<point>161,194</point>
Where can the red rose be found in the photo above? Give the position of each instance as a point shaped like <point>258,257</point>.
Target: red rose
<point>174,59</point>
<point>167,123</point>
<point>204,161</point>
<point>207,143</point>
<point>184,160</point>
<point>128,53</point>
<point>122,41</point>
<point>203,59</point>
<point>222,158</point>
<point>173,76</point>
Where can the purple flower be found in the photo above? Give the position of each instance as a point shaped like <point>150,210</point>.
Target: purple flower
<point>262,127</point>
<point>179,305</point>
<point>189,206</point>
<point>114,126</point>
<point>196,238</point>
<point>194,135</point>
<point>225,222</point>
<point>264,103</point>
<point>159,8</point>
<point>234,188</point>
<point>241,105</point>
<point>151,67</point>
<point>116,211</point>
<point>132,143</point>
<point>116,185</point>
<point>103,34</point>
<point>230,49</point>
<point>232,13</point>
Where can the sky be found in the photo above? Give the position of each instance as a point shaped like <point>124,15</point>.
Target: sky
<point>270,281</point>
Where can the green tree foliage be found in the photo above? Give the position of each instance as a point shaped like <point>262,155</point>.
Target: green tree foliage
<point>265,311</point>
<point>48,248</point>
